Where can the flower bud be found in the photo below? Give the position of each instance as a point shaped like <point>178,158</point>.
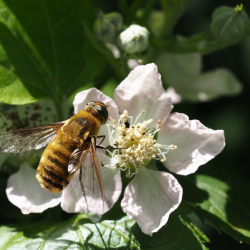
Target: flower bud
<point>107,27</point>
<point>230,25</point>
<point>134,39</point>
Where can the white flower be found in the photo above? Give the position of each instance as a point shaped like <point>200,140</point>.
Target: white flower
<point>134,39</point>
<point>182,145</point>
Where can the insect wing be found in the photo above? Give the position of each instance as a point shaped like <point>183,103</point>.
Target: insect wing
<point>95,166</point>
<point>25,139</point>
<point>84,193</point>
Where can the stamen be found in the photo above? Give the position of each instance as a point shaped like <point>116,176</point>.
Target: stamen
<point>139,115</point>
<point>137,143</point>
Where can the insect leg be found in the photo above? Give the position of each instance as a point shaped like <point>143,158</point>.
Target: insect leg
<point>100,146</point>
<point>93,140</point>
<point>80,180</point>
<point>103,138</point>
<point>111,148</point>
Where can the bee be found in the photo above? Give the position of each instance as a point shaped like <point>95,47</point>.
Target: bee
<point>68,144</point>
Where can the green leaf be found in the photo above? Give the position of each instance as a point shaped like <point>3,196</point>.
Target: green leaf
<point>44,53</point>
<point>183,73</point>
<point>156,22</point>
<point>77,233</point>
<point>230,25</point>
<point>196,232</point>
<point>211,85</point>
<point>178,233</point>
<point>176,68</point>
<point>223,204</point>
<point>80,233</point>
<point>21,116</point>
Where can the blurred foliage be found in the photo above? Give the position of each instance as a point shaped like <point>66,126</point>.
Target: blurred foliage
<point>50,50</point>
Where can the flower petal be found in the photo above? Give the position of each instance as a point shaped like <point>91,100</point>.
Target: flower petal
<point>143,89</point>
<point>196,144</point>
<point>150,197</point>
<point>24,191</point>
<point>73,200</point>
<point>175,98</point>
<point>93,94</point>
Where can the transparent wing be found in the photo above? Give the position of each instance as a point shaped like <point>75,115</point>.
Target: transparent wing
<point>25,139</point>
<point>85,192</point>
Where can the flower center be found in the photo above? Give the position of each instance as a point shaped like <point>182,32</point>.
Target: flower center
<point>135,143</point>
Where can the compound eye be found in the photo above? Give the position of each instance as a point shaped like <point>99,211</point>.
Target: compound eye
<point>102,111</point>
<point>90,103</point>
<point>98,107</point>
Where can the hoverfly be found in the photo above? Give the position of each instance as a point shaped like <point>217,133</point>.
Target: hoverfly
<point>69,143</point>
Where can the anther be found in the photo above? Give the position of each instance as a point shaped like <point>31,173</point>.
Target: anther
<point>122,116</point>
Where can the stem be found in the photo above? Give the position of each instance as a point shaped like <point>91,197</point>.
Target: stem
<point>134,7</point>
<point>196,43</point>
<point>123,5</point>
<point>209,47</point>
<point>147,8</point>
<point>105,52</point>
<point>173,9</point>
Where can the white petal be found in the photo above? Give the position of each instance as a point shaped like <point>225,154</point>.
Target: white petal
<point>132,63</point>
<point>150,198</point>
<point>114,50</point>
<point>143,89</point>
<point>24,191</point>
<point>73,200</point>
<point>196,144</point>
<point>93,94</point>
<point>175,98</point>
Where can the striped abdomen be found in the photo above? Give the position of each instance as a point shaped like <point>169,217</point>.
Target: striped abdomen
<point>52,172</point>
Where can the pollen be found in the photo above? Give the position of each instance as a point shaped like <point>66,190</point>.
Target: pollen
<point>136,142</point>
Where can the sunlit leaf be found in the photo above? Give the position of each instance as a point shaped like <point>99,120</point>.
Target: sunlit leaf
<point>223,204</point>
<point>79,233</point>
<point>43,50</point>
<point>21,116</point>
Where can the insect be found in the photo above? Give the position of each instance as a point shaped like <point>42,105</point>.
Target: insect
<point>68,143</point>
